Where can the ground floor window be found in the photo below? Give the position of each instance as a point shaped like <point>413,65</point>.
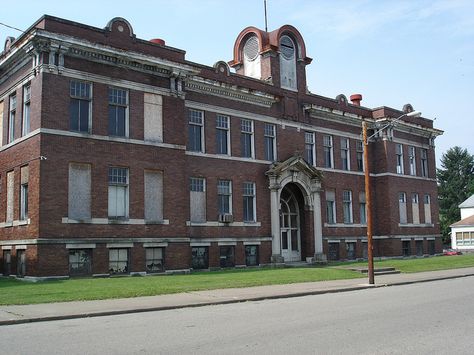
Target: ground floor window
<point>154,259</point>
<point>80,262</point>
<point>226,256</point>
<point>351,251</point>
<point>21,263</point>
<point>365,250</point>
<point>118,261</point>
<point>7,262</point>
<point>406,248</point>
<point>251,255</point>
<point>333,253</point>
<point>419,247</point>
<point>431,247</point>
<point>200,258</point>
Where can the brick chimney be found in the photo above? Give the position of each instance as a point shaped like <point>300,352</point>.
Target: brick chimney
<point>356,99</point>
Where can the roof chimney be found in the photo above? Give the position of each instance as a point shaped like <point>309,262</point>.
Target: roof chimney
<point>159,41</point>
<point>356,99</point>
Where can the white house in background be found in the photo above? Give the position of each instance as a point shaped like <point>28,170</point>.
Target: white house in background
<point>462,232</point>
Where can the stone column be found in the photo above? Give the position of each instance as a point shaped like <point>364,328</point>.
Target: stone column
<point>319,256</point>
<point>275,217</point>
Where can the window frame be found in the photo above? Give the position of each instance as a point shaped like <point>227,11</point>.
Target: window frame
<point>249,200</point>
<point>12,117</point>
<point>204,257</point>
<point>221,183</point>
<point>412,160</point>
<point>150,270</point>
<point>347,207</point>
<point>193,117</point>
<point>345,154</point>
<point>125,185</point>
<point>247,133</point>
<point>331,207</point>
<point>270,142</point>
<point>424,162</point>
<point>400,169</point>
<point>223,129</point>
<point>360,155</point>
<point>310,147</point>
<point>86,97</point>
<point>126,269</point>
<point>328,149</point>
<point>24,202</point>
<point>197,185</point>
<point>116,101</point>
<point>248,255</point>
<point>26,114</point>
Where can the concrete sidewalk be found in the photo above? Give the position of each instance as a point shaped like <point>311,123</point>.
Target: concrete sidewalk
<point>81,309</point>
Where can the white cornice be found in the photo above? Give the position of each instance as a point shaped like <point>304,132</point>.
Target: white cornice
<point>333,115</point>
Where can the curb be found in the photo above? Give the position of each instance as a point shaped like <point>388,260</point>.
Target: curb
<point>223,302</point>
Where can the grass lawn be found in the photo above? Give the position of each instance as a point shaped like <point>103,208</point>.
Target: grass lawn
<point>419,264</point>
<point>20,292</point>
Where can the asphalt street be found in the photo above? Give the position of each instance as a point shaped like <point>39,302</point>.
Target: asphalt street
<point>425,318</point>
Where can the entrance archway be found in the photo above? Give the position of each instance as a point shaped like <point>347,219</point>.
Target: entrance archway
<point>290,225</point>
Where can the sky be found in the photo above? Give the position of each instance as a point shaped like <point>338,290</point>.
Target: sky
<point>392,52</point>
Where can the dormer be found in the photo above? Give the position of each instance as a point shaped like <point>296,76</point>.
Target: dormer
<point>278,57</point>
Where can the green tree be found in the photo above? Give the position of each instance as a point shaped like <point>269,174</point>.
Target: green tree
<point>455,184</point>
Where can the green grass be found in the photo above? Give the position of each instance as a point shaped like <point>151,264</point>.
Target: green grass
<point>420,264</point>
<point>20,292</point>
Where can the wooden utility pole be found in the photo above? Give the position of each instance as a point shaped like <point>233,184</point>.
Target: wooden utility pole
<point>368,199</point>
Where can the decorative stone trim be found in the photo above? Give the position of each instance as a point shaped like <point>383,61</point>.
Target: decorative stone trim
<point>67,220</point>
<point>220,224</point>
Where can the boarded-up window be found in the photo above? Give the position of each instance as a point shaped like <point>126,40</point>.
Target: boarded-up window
<point>427,205</point>
<point>10,195</point>
<point>402,207</point>
<point>1,123</point>
<point>153,113</point>
<point>197,200</point>
<point>153,196</point>
<point>415,209</point>
<point>24,177</point>
<point>79,191</point>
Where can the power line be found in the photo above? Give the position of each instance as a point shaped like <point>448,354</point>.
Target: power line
<point>14,28</point>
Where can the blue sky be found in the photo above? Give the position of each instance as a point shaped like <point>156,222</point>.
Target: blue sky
<point>391,52</point>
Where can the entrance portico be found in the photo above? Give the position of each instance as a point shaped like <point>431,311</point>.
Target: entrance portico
<point>295,188</point>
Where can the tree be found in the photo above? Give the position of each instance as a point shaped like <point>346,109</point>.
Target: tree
<point>455,184</point>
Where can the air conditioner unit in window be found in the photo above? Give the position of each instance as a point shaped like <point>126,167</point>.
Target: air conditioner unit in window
<point>226,218</point>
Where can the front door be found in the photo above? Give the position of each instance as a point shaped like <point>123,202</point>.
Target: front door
<point>290,227</point>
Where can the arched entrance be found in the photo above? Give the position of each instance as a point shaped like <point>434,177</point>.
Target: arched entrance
<point>290,224</point>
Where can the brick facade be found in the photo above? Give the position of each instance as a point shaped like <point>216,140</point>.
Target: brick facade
<point>50,242</point>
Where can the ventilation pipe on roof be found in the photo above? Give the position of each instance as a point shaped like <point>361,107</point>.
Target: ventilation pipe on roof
<point>159,41</point>
<point>356,99</point>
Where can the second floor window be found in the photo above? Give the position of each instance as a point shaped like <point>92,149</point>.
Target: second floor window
<point>118,111</point>
<point>25,124</point>
<point>11,119</point>
<point>246,138</point>
<point>80,106</point>
<point>224,196</point>
<point>222,135</point>
<point>399,154</point>
<point>411,160</point>
<point>328,152</point>
<point>347,205</point>
<point>309,148</point>
<point>345,156</point>
<point>196,131</point>
<point>331,206</point>
<point>424,163</point>
<point>360,155</point>
<point>118,193</point>
<point>270,142</point>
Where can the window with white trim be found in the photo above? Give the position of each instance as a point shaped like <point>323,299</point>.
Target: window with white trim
<point>328,152</point>
<point>246,138</point>
<point>345,154</point>
<point>11,119</point>
<point>222,135</point>
<point>270,141</point>
<point>424,162</point>
<point>331,206</point>
<point>79,191</point>
<point>80,108</point>
<point>427,207</point>
<point>24,177</point>
<point>412,160</point>
<point>415,208</point>
<point>224,196</point>
<point>195,131</point>
<point>309,148</point>
<point>347,206</point>
<point>118,261</point>
<point>118,193</point>
<point>360,155</point>
<point>25,122</point>
<point>402,207</point>
<point>249,201</point>
<point>399,156</point>
<point>362,208</point>
<point>197,199</point>
<point>154,260</point>
<point>118,112</point>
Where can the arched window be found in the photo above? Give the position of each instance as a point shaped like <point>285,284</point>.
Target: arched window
<point>251,57</point>
<point>287,62</point>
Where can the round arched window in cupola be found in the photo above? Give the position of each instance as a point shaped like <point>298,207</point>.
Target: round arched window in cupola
<point>251,48</point>
<point>287,47</point>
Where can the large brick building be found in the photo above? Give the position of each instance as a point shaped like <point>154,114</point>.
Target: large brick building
<point>117,155</point>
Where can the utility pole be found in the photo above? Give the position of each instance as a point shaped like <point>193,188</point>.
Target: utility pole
<point>368,199</point>
<point>265,7</point>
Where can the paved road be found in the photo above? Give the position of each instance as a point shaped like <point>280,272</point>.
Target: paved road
<point>426,318</point>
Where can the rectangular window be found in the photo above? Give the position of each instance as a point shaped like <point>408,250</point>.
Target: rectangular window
<point>118,261</point>
<point>118,112</point>
<point>25,124</point>
<point>350,250</point>
<point>80,262</point>
<point>347,206</point>
<point>419,247</point>
<point>431,247</point>
<point>226,256</point>
<point>309,148</point>
<point>360,155</point>
<point>11,119</point>
<point>249,201</point>
<point>270,142</point>
<point>399,153</point>
<point>406,248</point>
<point>415,210</point>
<point>154,260</point>
<point>224,196</point>
<point>222,135</point>
<point>424,162</point>
<point>328,152</point>
<point>412,160</point>
<point>24,176</point>
<point>153,195</point>
<point>427,207</point>
<point>197,200</point>
<point>331,206</point>
<point>79,193</point>
<point>362,208</point>
<point>402,207</point>
<point>251,255</point>
<point>118,193</point>
<point>199,258</point>
<point>21,263</point>
<point>246,138</point>
<point>7,262</point>
<point>153,117</point>
<point>10,196</point>
<point>1,122</point>
<point>196,131</point>
<point>80,106</point>
<point>333,251</point>
<point>345,154</point>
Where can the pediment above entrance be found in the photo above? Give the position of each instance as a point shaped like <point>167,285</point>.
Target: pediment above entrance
<point>295,164</point>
